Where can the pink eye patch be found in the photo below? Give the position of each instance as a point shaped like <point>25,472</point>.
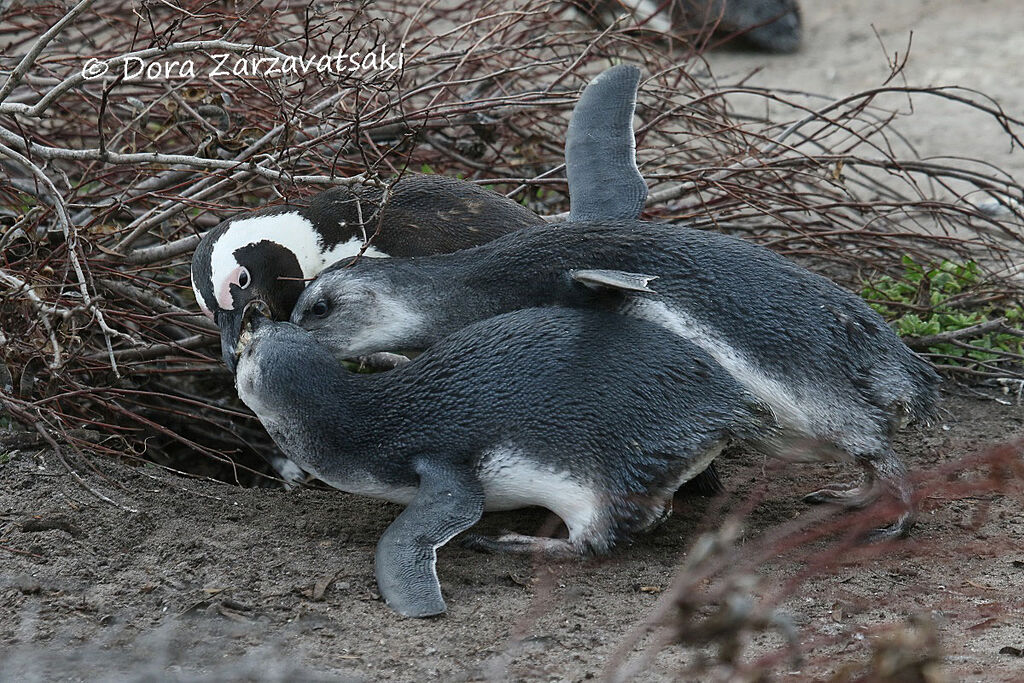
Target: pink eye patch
<point>238,277</point>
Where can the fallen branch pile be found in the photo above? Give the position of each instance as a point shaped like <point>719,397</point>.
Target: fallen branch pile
<point>112,167</point>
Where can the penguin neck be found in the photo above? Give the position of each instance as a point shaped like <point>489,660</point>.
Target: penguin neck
<point>445,292</point>
<point>351,411</point>
<point>495,278</point>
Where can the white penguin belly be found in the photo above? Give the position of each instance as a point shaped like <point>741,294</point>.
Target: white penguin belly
<point>374,488</point>
<point>357,483</point>
<point>511,481</point>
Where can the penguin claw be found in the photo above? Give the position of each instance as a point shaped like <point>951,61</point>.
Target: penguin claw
<point>859,497</point>
<point>848,496</point>
<point>508,542</point>
<point>899,529</point>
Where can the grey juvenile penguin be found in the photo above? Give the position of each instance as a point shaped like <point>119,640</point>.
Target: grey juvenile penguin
<point>597,417</point>
<point>836,375</point>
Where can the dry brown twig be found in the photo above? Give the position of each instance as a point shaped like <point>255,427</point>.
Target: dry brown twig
<point>724,589</point>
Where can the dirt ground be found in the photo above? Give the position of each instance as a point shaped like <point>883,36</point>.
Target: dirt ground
<point>204,581</point>
<point>207,581</point>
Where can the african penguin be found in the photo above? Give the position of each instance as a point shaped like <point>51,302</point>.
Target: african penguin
<point>272,253</point>
<point>839,379</point>
<point>594,416</point>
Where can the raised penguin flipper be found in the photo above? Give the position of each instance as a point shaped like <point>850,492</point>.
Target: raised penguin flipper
<point>449,501</point>
<point>600,150</point>
<point>614,279</point>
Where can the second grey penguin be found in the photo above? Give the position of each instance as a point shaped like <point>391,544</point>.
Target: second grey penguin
<point>596,417</point>
<point>838,378</point>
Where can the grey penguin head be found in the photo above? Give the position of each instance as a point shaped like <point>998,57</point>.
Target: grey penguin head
<point>354,311</point>
<point>272,359</point>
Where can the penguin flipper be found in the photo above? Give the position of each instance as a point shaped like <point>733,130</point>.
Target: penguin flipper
<point>449,501</point>
<point>614,279</point>
<point>600,150</point>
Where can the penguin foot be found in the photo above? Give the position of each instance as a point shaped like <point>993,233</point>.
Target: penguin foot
<point>554,548</point>
<point>850,495</point>
<point>707,484</point>
<point>898,529</point>
<point>883,474</point>
<point>290,473</point>
<point>889,471</point>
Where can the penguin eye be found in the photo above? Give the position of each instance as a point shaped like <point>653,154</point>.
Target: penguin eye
<point>243,278</point>
<point>319,309</point>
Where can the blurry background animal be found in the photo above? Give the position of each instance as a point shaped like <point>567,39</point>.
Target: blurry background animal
<point>768,25</point>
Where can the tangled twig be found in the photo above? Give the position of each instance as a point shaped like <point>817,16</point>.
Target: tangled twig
<point>110,180</point>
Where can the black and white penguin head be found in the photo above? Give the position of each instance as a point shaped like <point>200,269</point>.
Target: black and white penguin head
<point>269,255</point>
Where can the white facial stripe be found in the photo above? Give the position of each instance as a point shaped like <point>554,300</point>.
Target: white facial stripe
<point>349,249</point>
<point>290,230</point>
<point>200,299</point>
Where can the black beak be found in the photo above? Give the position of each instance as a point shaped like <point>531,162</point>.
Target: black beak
<point>230,323</point>
<point>237,327</point>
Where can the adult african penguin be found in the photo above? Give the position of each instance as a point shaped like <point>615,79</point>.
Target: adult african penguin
<point>595,416</point>
<point>271,254</point>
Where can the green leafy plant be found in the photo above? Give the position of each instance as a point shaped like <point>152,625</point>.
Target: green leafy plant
<point>931,299</point>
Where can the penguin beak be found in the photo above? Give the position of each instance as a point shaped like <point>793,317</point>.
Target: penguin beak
<point>237,328</point>
<point>230,323</point>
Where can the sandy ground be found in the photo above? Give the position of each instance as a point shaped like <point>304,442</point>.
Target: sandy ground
<point>211,582</point>
<point>977,44</point>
